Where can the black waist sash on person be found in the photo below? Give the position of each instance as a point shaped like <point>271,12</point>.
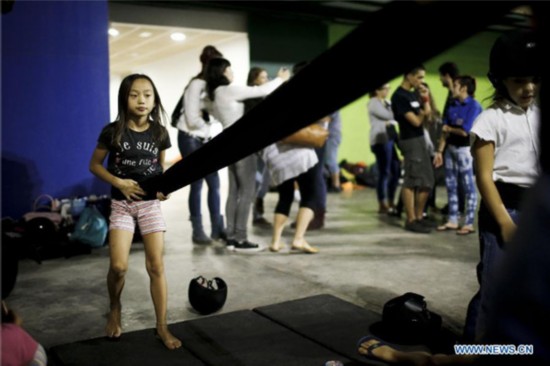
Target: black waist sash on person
<point>512,196</point>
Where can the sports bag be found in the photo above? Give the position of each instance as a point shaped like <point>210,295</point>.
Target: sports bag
<point>91,228</point>
<point>408,316</point>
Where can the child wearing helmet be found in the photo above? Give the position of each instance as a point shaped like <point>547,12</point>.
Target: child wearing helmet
<point>505,147</point>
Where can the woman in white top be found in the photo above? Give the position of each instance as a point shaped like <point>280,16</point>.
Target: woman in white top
<point>194,131</point>
<point>228,107</point>
<point>505,150</point>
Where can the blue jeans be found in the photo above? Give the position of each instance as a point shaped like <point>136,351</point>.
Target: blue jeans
<point>491,249</point>
<point>389,170</point>
<point>187,145</point>
<point>331,155</point>
<point>458,167</point>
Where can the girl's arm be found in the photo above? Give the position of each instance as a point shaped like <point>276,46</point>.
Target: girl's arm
<point>129,188</point>
<point>242,92</point>
<point>483,153</point>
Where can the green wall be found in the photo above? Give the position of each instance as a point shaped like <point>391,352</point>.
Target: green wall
<point>471,56</point>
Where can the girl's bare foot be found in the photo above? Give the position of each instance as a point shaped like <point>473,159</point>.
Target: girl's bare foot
<point>113,329</point>
<point>276,247</point>
<point>303,245</point>
<point>167,338</point>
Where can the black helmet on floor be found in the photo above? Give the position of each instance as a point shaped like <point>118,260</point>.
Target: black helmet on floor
<point>514,54</point>
<point>408,316</point>
<point>207,296</point>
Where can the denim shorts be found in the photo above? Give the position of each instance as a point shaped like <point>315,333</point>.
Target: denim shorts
<point>147,214</point>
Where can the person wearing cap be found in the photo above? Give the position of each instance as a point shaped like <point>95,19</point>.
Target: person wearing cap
<point>505,147</point>
<point>193,132</point>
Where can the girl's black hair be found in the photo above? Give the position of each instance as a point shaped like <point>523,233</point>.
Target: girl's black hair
<point>253,75</point>
<point>214,75</point>
<point>156,117</point>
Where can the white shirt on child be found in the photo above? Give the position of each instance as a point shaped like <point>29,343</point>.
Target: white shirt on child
<point>515,133</point>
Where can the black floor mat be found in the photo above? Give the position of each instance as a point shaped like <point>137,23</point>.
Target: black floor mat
<point>331,322</point>
<point>304,332</point>
<point>138,348</point>
<point>245,338</point>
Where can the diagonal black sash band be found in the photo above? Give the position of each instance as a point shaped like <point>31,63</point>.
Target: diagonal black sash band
<point>399,37</point>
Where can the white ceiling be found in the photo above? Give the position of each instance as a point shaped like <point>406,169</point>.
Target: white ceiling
<point>130,49</point>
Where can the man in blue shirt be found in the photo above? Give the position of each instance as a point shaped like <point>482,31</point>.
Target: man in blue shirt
<point>457,123</point>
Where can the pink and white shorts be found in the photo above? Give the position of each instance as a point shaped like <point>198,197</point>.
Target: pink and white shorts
<point>147,213</point>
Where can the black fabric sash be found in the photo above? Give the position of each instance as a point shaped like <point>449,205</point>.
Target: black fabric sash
<point>336,78</point>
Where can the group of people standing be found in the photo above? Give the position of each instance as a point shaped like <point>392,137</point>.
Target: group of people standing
<point>425,137</point>
<point>505,149</point>
<point>503,144</point>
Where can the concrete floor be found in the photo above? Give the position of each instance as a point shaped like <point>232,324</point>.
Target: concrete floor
<point>364,258</point>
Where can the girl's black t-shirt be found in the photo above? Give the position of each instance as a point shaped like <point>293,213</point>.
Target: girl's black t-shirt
<point>137,157</point>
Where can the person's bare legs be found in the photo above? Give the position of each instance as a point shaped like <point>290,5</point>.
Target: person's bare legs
<point>421,198</point>
<point>305,215</point>
<point>154,246</point>
<point>279,221</point>
<point>408,202</point>
<point>119,250</point>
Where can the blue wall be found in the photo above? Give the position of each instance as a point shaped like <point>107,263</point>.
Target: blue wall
<point>55,99</point>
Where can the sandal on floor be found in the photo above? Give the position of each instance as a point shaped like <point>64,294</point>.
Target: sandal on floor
<point>370,348</point>
<point>465,231</point>
<point>446,227</point>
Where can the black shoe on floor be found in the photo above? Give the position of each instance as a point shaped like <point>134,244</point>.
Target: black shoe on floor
<point>417,227</point>
<point>230,244</point>
<point>247,246</point>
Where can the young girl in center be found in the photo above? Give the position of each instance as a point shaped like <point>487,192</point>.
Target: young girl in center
<point>135,144</point>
